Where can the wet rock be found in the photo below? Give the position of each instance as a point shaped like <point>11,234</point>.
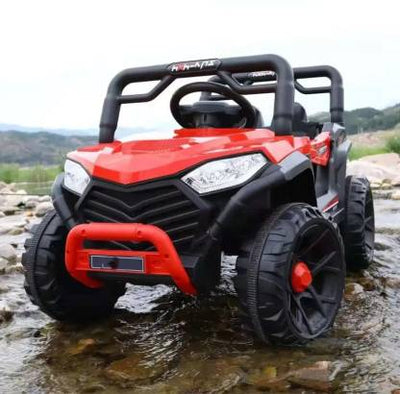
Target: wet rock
<point>368,284</point>
<point>383,194</point>
<point>16,231</point>
<point>316,377</point>
<point>221,376</point>
<point>10,210</point>
<point>392,282</point>
<point>84,346</point>
<point>3,265</point>
<point>17,268</point>
<point>8,253</point>
<point>396,195</point>
<point>44,198</point>
<point>93,388</point>
<point>352,290</point>
<point>374,170</point>
<point>43,208</point>
<point>133,368</point>
<point>14,198</point>
<point>268,379</point>
<point>31,202</point>
<point>5,312</point>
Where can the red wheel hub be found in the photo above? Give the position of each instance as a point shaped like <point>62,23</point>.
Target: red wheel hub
<point>301,277</point>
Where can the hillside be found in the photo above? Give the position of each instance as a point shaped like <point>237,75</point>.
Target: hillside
<point>48,148</point>
<point>38,148</point>
<point>366,119</point>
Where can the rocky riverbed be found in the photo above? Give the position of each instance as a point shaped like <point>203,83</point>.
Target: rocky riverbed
<point>159,341</point>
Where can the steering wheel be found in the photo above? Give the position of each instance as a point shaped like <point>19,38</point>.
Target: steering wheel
<point>220,113</point>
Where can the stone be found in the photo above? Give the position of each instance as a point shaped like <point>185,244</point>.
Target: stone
<point>84,346</point>
<point>383,194</point>
<point>315,377</point>
<point>373,171</point>
<point>132,369</point>
<point>391,282</point>
<point>375,185</point>
<point>367,283</point>
<point>16,231</point>
<point>8,253</point>
<point>395,195</point>
<point>12,269</point>
<point>10,210</point>
<point>2,214</point>
<point>3,265</point>
<point>352,289</point>
<point>43,208</point>
<point>31,202</point>
<point>93,388</point>
<point>44,198</point>
<point>396,182</point>
<point>268,379</point>
<point>2,185</point>
<point>6,313</point>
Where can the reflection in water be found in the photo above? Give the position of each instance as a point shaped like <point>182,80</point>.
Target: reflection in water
<point>160,341</point>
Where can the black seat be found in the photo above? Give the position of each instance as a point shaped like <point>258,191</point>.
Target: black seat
<point>301,125</point>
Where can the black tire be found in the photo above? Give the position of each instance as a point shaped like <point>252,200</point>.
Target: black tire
<point>271,308</point>
<point>358,227</point>
<point>49,285</point>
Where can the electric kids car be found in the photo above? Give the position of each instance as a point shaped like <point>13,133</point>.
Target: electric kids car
<point>163,211</point>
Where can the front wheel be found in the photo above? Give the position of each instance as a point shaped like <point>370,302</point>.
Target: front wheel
<point>49,285</point>
<point>290,279</point>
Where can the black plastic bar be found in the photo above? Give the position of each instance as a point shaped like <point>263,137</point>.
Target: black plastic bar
<point>224,68</point>
<point>335,89</point>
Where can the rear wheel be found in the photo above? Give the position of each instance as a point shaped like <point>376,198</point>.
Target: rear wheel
<point>290,279</point>
<point>358,227</point>
<point>49,285</point>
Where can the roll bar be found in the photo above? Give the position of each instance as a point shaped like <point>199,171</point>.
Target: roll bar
<point>224,69</point>
<point>335,89</point>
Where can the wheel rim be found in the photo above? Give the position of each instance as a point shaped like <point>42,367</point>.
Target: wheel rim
<point>313,304</point>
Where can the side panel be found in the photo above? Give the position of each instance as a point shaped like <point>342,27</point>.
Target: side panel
<point>330,180</point>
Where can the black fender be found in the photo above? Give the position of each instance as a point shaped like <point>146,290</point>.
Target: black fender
<point>258,195</point>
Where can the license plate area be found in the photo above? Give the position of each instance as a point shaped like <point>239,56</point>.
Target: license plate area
<point>117,263</point>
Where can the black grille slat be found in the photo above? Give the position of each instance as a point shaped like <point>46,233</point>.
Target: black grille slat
<point>162,205</point>
<point>140,205</point>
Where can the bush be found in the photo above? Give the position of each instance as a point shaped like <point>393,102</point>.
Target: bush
<point>393,144</point>
<point>9,172</point>
<point>13,173</point>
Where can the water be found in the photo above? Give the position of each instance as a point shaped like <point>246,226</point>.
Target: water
<point>159,341</point>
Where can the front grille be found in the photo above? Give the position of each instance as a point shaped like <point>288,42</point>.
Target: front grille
<point>161,204</point>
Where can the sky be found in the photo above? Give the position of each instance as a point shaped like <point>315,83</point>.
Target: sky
<point>59,56</point>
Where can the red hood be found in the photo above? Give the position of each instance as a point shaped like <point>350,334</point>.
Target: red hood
<point>138,161</point>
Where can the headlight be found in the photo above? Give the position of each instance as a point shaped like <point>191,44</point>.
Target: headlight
<point>76,178</point>
<point>224,173</point>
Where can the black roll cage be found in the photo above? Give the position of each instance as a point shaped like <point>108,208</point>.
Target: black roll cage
<point>239,73</point>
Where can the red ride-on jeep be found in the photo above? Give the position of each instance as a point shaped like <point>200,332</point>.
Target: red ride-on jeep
<point>162,211</point>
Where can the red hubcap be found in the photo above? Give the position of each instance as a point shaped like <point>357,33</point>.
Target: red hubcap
<point>301,277</point>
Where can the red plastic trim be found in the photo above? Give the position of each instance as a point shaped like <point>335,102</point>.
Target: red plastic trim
<point>165,261</point>
<point>301,277</point>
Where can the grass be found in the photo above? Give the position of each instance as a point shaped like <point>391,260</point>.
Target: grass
<point>38,174</point>
<point>387,144</point>
<point>357,152</point>
<point>393,144</point>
